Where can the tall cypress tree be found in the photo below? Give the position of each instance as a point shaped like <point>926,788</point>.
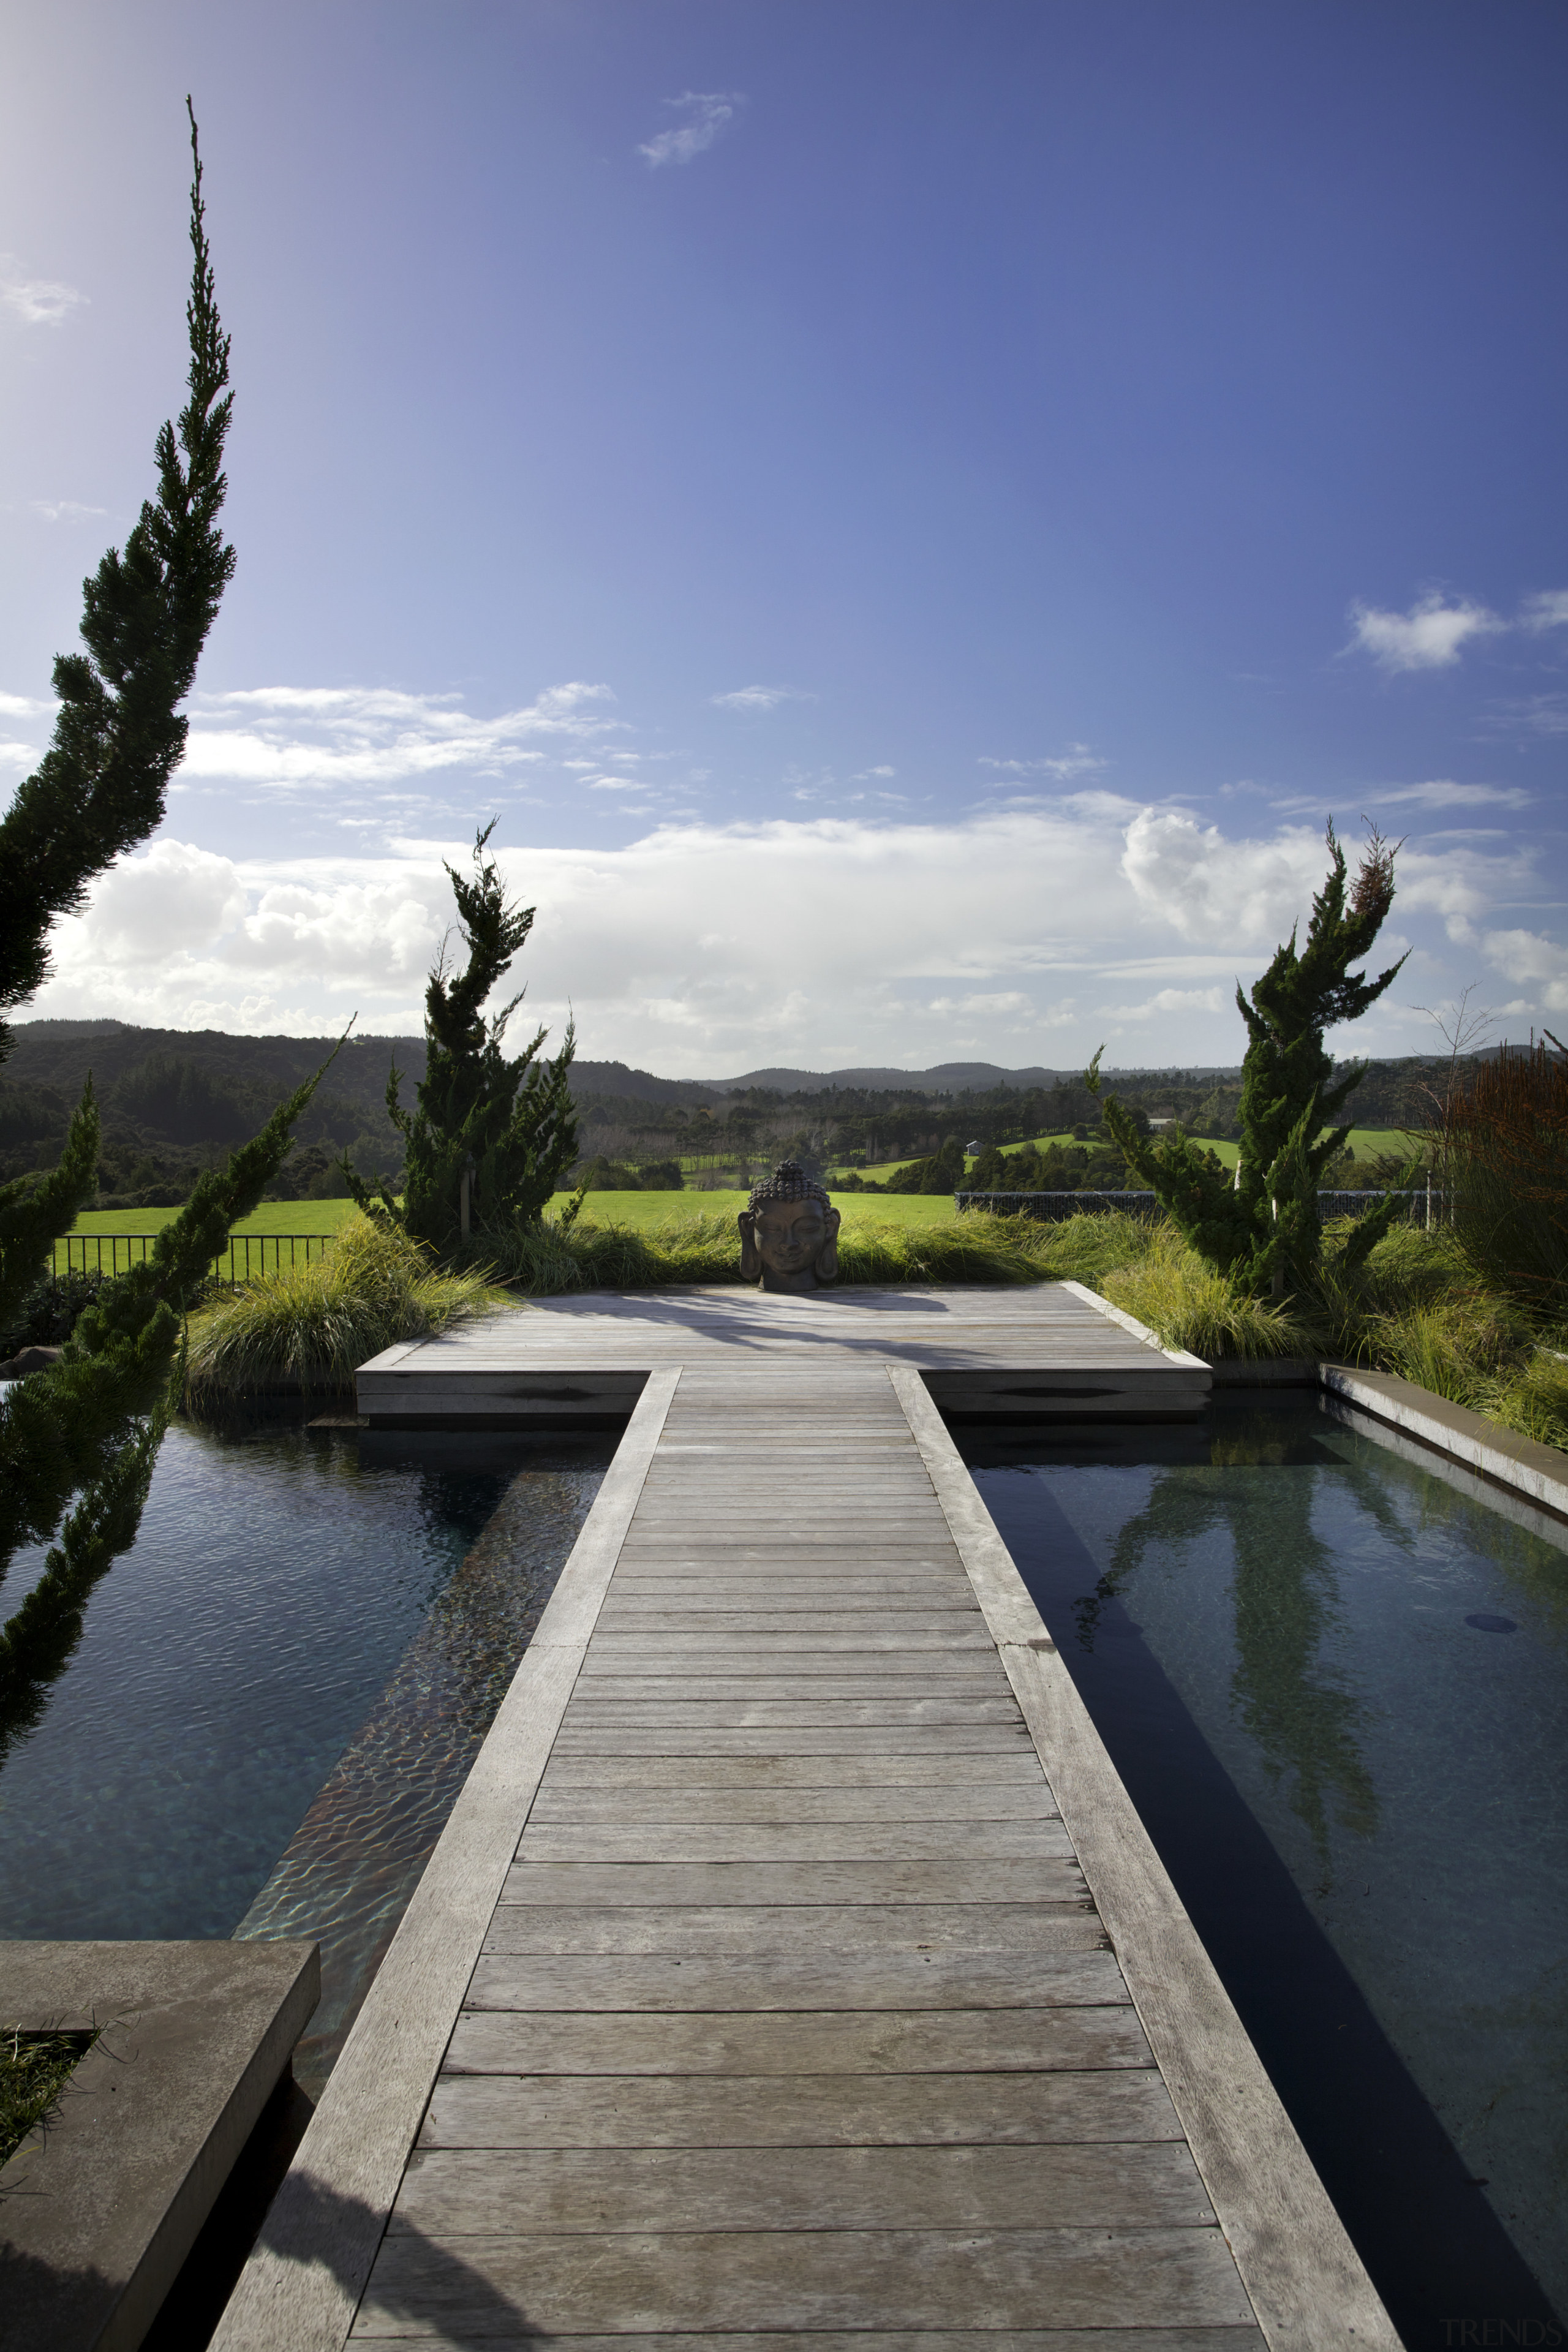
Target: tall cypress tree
<point>1263,1228</point>
<point>508,1122</point>
<point>91,1426</point>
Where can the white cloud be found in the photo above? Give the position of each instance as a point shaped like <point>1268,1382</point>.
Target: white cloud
<point>760,698</point>
<point>822,940</point>
<point>1444,794</point>
<point>37,302</point>
<point>1525,958</point>
<point>1077,760</point>
<point>1548,611</point>
<point>311,738</point>
<point>1169,999</point>
<point>63,510</point>
<point>707,112</point>
<point>1209,887</point>
<point>1429,636</point>
<point>21,706</point>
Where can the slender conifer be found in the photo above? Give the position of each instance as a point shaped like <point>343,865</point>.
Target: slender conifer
<point>1262,1226</point>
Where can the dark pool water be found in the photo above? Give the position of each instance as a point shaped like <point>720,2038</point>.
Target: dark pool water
<point>279,1690</point>
<point>1333,1673</point>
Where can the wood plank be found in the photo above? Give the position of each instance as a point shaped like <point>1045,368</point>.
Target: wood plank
<point>675,1682</point>
<point>705,1883</point>
<point>451,2192</point>
<point>875,1841</point>
<point>849,2278</point>
<point>818,2041</point>
<point>839,1980</point>
<point>853,1739</point>
<point>1115,2104</point>
<point>1017,1766</point>
<point>795,1927</point>
<point>699,1803</point>
<point>369,2330</point>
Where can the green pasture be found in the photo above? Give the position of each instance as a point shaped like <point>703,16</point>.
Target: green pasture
<point>272,1217</point>
<point>639,1211</point>
<point>1366,1142</point>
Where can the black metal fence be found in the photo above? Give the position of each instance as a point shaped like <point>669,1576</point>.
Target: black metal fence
<point>247,1255</point>
<point>1052,1207</point>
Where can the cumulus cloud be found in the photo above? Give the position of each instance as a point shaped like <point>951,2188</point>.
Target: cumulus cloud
<point>37,302</point>
<point>1169,999</point>
<point>317,739</point>
<point>760,698</point>
<point>1210,888</point>
<point>1023,934</point>
<point>1547,611</point>
<point>707,112</point>
<point>1429,636</point>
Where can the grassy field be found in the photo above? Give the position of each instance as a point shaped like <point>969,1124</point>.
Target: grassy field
<point>1366,1142</point>
<point>641,1210</point>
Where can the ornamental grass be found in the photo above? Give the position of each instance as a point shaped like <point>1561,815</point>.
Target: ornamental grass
<point>316,1324</point>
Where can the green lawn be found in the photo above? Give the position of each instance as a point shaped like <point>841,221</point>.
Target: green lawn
<point>273,1217</point>
<point>640,1210</point>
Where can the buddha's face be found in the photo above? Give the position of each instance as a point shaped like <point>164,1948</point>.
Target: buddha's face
<point>790,1234</point>
<point>790,1237</point>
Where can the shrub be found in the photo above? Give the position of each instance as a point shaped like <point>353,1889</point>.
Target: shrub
<point>316,1324</point>
<point>1505,1154</point>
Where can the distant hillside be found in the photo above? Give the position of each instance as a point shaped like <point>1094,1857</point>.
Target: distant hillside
<point>945,1079</point>
<point>175,1100</point>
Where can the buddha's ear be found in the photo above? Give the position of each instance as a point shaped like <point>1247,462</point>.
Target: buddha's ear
<point>826,1268</point>
<point>751,1258</point>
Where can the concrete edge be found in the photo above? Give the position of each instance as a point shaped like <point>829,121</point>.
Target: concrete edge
<point>302,2284</point>
<point>1306,2282</point>
<point>1130,1323</point>
<point>199,2036</point>
<point>1498,1455</point>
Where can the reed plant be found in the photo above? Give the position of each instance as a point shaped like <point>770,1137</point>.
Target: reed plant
<point>316,1324</point>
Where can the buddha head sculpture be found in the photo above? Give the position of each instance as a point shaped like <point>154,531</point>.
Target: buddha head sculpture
<point>789,1232</point>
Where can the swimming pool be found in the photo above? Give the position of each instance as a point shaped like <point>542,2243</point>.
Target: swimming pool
<point>279,1689</point>
<point>1332,1671</point>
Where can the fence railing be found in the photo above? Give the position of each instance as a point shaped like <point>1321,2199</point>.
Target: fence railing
<point>246,1253</point>
<point>1053,1207</point>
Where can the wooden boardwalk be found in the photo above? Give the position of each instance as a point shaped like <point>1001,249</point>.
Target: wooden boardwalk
<point>1051,1350</point>
<point>794,1964</point>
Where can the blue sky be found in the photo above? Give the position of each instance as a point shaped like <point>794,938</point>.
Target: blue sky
<point>912,511</point>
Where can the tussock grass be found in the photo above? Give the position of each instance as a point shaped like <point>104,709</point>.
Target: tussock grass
<point>317,1323</point>
<point>545,1259</point>
<point>34,2070</point>
<point>1188,1305</point>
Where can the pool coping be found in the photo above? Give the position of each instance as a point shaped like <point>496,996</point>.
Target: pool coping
<point>1500,1456</point>
<point>1307,2285</point>
<point>101,2206</point>
<point>302,2284</point>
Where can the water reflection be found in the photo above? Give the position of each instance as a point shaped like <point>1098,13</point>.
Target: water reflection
<point>1287,1694</point>
<point>1357,1790</point>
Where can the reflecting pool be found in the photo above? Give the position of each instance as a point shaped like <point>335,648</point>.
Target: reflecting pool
<point>279,1690</point>
<point>1332,1671</point>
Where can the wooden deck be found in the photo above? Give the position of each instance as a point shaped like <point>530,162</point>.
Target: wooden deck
<point>1051,1350</point>
<point>794,1964</point>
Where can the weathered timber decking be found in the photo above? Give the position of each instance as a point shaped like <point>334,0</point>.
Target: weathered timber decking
<point>793,1964</point>
<point>1052,1349</point>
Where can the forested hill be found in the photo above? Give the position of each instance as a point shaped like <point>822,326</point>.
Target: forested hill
<point>176,1100</point>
